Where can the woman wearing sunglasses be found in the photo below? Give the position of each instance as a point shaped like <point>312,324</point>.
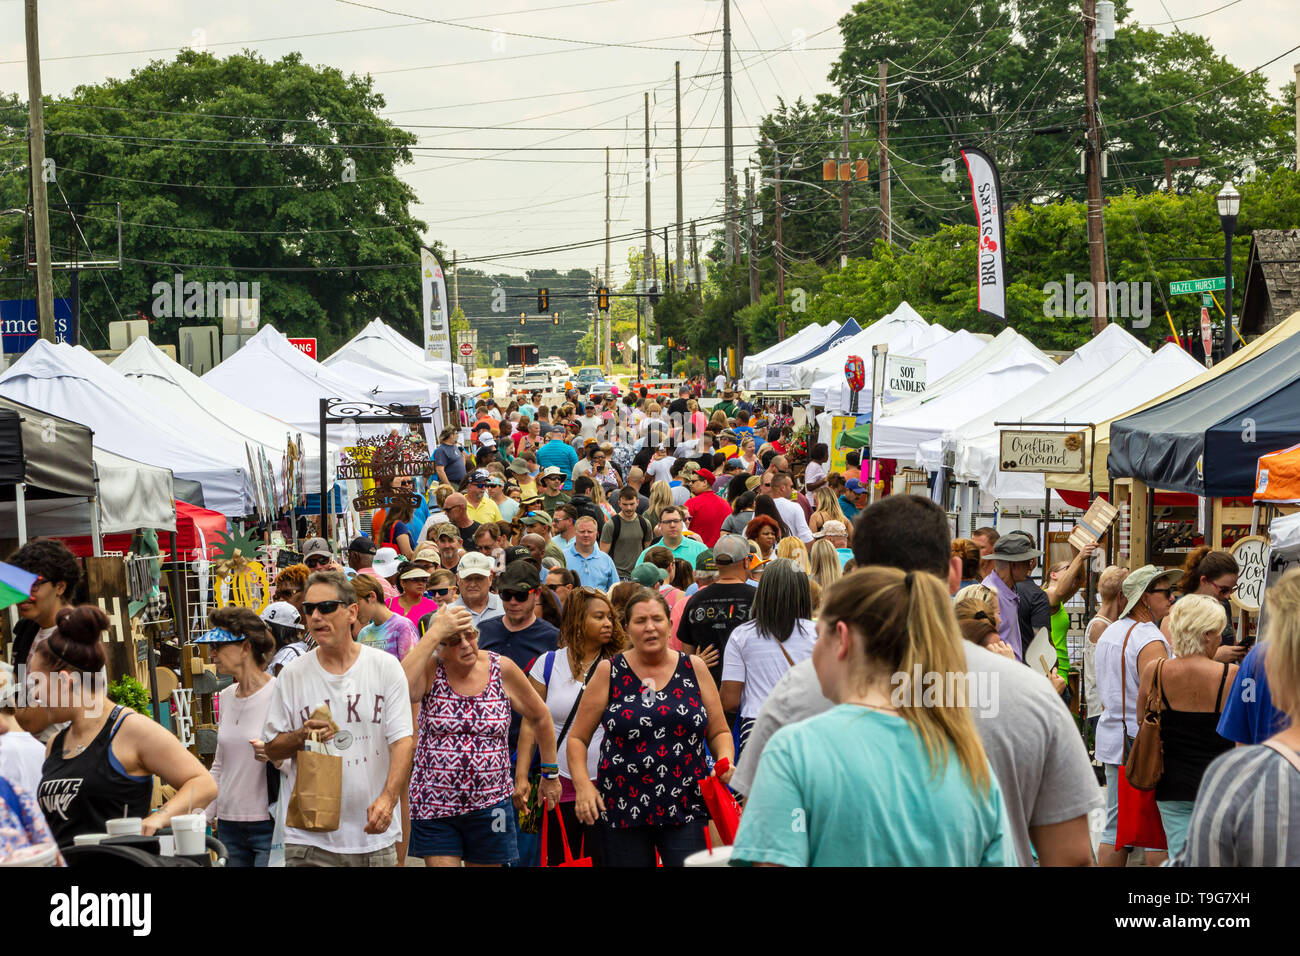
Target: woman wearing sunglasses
<point>1213,574</point>
<point>461,783</point>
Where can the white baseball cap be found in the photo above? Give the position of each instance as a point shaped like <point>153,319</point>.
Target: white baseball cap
<point>475,563</point>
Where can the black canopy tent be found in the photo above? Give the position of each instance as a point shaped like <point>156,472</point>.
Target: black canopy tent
<point>1207,441</point>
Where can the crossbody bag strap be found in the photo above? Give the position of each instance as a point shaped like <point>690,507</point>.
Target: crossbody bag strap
<point>788,659</point>
<point>1287,753</point>
<point>1123,689</point>
<point>578,700</point>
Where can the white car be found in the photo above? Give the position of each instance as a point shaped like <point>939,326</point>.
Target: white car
<point>557,366</point>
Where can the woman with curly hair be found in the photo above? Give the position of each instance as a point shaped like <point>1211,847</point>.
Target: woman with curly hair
<point>589,633</point>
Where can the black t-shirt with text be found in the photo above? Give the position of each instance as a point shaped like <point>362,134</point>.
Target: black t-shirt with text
<point>712,614</point>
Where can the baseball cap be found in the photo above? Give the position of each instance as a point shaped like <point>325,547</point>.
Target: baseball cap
<point>314,546</point>
<point>519,576</point>
<point>536,517</point>
<point>855,486</point>
<point>517,553</point>
<point>704,561</point>
<point>428,552</point>
<point>362,545</point>
<point>704,474</point>
<point>730,549</point>
<point>479,475</point>
<point>649,575</point>
<point>386,562</point>
<point>475,563</point>
<point>446,530</point>
<point>282,613</point>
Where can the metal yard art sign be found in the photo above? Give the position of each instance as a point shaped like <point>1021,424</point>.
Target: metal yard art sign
<point>380,460</point>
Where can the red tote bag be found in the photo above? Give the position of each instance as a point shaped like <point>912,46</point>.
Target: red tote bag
<point>1139,818</point>
<point>723,808</point>
<point>564,841</point>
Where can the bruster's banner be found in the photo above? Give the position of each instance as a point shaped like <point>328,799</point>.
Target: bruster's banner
<point>991,271</point>
<point>437,336</point>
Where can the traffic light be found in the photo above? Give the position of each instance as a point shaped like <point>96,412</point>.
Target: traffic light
<point>602,298</point>
<point>543,301</point>
<point>523,318</point>
<point>670,342</point>
<point>555,318</point>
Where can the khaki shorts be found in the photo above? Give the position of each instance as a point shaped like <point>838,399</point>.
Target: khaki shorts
<point>298,854</point>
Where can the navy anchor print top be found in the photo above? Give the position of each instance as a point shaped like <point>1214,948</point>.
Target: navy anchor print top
<point>653,755</point>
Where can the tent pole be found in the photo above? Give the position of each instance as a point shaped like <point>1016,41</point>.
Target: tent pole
<point>96,542</point>
<point>324,492</point>
<point>20,509</point>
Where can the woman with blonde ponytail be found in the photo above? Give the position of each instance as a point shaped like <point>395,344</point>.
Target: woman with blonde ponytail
<point>895,773</point>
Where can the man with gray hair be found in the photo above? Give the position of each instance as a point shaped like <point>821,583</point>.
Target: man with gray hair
<point>367,722</point>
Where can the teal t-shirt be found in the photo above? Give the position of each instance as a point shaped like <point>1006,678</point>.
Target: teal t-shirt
<point>853,787</point>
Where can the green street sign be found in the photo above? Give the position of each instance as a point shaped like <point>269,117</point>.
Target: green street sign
<point>1207,300</point>
<point>1189,286</point>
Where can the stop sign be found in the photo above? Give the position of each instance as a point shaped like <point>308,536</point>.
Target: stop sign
<point>621,346</point>
<point>466,349</point>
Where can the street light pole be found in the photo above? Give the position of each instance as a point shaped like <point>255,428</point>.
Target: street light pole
<point>1229,202</point>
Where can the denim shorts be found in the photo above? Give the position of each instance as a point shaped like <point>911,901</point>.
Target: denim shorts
<point>484,836</point>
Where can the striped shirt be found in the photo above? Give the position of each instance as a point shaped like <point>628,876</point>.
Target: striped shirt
<point>1243,812</point>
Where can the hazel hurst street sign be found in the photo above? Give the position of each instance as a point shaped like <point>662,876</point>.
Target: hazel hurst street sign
<point>1190,286</point>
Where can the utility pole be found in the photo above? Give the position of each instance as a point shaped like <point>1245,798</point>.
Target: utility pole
<point>780,263</point>
<point>455,283</point>
<point>677,70</point>
<point>648,269</point>
<point>728,155</point>
<point>604,360</point>
<point>1297,117</point>
<point>595,322</point>
<point>695,258</point>
<point>752,244</point>
<point>886,218</point>
<point>844,187</point>
<point>1096,230</point>
<point>36,170</point>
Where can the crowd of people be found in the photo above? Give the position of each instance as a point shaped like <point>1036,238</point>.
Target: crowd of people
<point>593,609</point>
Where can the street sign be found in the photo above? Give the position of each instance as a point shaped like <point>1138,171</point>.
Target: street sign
<point>306,346</point>
<point>622,346</point>
<point>21,326</point>
<point>466,349</point>
<point>1189,286</point>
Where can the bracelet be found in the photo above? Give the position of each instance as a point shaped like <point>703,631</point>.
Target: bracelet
<point>551,776</point>
<point>549,766</point>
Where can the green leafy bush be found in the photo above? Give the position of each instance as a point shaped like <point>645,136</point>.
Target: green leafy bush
<point>129,692</point>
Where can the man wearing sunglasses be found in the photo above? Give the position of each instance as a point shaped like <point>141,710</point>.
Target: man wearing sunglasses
<point>316,553</point>
<point>457,508</point>
<point>479,506</point>
<point>552,489</point>
<point>519,633</point>
<point>365,691</point>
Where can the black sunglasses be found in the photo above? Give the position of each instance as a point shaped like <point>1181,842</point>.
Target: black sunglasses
<point>318,561</point>
<point>1165,591</point>
<point>439,592</point>
<point>325,607</point>
<point>517,596</point>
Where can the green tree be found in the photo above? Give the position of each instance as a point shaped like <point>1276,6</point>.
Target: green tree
<point>237,169</point>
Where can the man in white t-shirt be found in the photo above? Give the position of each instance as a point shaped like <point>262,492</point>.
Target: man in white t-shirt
<point>719,383</point>
<point>366,693</point>
<point>791,513</point>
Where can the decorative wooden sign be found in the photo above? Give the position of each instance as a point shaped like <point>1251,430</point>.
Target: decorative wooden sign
<point>1251,554</point>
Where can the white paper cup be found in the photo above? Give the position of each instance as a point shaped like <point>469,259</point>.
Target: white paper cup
<point>190,831</point>
<point>45,854</point>
<point>89,839</point>
<point>126,826</point>
<point>721,856</point>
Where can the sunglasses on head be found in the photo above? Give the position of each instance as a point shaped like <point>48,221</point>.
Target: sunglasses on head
<point>325,607</point>
<point>518,597</point>
<point>317,561</point>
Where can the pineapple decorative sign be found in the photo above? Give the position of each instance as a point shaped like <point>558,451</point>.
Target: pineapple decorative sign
<point>238,580</point>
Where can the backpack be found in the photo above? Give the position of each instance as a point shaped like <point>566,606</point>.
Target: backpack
<point>618,529</point>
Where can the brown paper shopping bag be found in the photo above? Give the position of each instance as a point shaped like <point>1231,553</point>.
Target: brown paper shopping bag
<point>317,791</point>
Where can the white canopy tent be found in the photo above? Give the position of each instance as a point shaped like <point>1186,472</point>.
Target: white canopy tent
<point>1005,367</point>
<point>271,376</point>
<point>1112,348</point>
<point>887,329</point>
<point>796,344</point>
<point>1126,386</point>
<point>383,347</point>
<point>72,383</point>
<point>379,381</point>
<point>213,412</point>
<point>942,350</point>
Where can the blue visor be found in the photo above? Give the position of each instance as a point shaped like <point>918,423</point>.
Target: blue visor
<point>218,635</point>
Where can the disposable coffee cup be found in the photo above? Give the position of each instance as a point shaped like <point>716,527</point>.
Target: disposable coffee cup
<point>190,831</point>
<point>719,856</point>
<point>126,826</point>
<point>89,839</point>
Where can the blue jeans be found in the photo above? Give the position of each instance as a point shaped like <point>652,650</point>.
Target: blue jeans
<point>1175,815</point>
<point>248,843</point>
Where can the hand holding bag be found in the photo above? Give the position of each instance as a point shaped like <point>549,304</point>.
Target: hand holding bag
<point>723,808</point>
<point>317,790</point>
<point>1146,761</point>
<point>564,842</point>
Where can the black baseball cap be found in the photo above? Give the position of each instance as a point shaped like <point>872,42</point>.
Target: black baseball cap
<point>519,576</point>
<point>517,553</point>
<point>362,545</point>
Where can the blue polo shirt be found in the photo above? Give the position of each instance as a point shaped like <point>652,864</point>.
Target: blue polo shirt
<point>597,571</point>
<point>559,455</point>
<point>849,508</point>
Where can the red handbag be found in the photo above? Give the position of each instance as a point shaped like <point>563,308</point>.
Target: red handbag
<point>723,808</point>
<point>1139,818</point>
<point>564,841</point>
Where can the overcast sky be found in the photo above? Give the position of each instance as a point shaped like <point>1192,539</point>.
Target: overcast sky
<point>547,92</point>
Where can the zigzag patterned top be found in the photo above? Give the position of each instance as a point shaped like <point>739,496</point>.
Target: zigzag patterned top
<point>462,757</point>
